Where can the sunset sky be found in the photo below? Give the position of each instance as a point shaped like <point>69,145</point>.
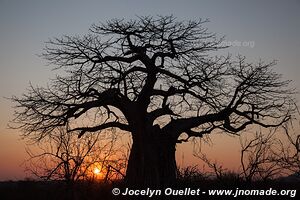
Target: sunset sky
<point>266,29</point>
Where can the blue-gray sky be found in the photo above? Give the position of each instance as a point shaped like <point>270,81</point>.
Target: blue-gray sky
<point>272,27</point>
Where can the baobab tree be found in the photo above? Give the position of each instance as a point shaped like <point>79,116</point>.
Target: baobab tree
<point>153,77</point>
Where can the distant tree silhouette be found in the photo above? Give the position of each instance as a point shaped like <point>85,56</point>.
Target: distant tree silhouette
<point>152,77</point>
<point>65,157</point>
<point>258,157</point>
<point>289,154</point>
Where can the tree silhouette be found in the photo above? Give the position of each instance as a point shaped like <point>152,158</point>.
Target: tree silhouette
<point>258,158</point>
<point>65,157</point>
<point>289,154</point>
<point>152,77</point>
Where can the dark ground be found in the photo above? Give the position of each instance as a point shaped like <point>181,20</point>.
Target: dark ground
<point>22,190</point>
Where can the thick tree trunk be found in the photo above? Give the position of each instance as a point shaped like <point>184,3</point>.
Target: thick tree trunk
<point>151,162</point>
